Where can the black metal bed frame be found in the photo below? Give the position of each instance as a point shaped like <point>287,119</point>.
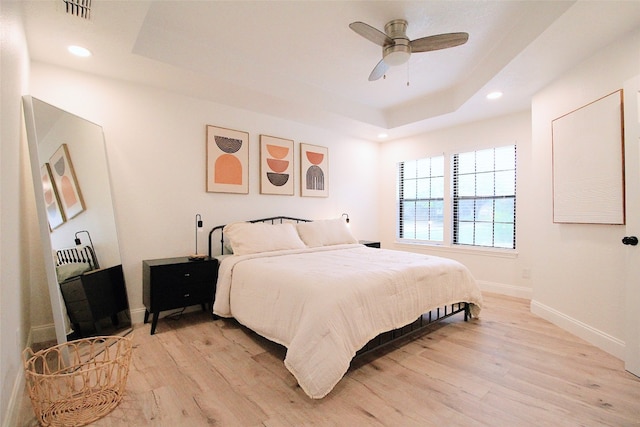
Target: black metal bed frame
<point>76,254</point>
<point>272,220</point>
<point>415,328</point>
<point>385,339</point>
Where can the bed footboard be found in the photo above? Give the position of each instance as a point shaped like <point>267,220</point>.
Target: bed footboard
<point>415,328</point>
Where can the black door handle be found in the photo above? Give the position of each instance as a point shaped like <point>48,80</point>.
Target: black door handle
<point>630,240</point>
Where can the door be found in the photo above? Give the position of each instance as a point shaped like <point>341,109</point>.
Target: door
<point>632,202</point>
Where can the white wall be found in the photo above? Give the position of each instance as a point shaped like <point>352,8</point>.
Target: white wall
<point>155,144</point>
<point>16,214</point>
<point>156,151</point>
<point>498,271</point>
<point>578,269</point>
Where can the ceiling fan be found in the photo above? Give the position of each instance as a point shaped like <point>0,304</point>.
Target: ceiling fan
<point>396,46</point>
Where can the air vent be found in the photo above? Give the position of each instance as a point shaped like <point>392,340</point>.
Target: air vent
<point>79,8</point>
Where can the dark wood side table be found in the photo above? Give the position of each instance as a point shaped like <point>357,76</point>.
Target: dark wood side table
<point>92,296</point>
<point>370,243</point>
<point>171,283</point>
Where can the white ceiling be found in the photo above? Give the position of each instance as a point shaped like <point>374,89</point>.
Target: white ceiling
<point>300,60</point>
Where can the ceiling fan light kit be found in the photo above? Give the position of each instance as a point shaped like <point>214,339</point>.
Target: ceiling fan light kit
<point>399,50</point>
<point>396,46</point>
<point>396,54</point>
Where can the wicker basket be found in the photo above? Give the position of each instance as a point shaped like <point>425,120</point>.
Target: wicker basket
<point>75,383</point>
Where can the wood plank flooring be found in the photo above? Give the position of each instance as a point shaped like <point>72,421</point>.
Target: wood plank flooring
<point>508,368</point>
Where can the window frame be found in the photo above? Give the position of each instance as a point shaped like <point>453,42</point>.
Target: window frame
<point>448,203</point>
<point>494,170</point>
<point>400,228</point>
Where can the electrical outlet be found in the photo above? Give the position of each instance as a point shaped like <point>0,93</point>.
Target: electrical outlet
<point>526,273</point>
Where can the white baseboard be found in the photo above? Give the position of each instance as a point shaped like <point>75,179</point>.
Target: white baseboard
<point>503,289</point>
<point>47,332</point>
<point>137,315</point>
<point>42,333</point>
<point>606,342</point>
<point>12,417</point>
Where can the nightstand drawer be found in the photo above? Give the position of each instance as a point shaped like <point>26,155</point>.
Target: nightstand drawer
<point>72,290</point>
<point>79,311</point>
<point>181,295</point>
<point>184,273</point>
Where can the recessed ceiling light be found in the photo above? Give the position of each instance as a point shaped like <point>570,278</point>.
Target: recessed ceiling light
<point>382,135</point>
<point>494,95</point>
<point>79,51</point>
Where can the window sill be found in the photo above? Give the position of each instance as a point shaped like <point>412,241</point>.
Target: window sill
<point>471,250</point>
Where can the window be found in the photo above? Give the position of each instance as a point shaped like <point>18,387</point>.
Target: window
<point>480,211</point>
<point>484,198</point>
<point>421,199</point>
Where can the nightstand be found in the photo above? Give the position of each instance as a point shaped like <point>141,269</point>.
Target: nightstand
<point>172,283</point>
<point>370,243</point>
<point>92,296</point>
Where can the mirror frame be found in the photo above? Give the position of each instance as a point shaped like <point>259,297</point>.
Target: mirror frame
<point>43,224</point>
<point>55,293</point>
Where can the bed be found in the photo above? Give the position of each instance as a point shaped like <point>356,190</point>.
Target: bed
<point>71,262</point>
<point>311,287</point>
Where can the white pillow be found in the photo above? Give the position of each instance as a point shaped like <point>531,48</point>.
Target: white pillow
<point>250,238</point>
<point>310,233</point>
<point>73,269</point>
<point>325,232</point>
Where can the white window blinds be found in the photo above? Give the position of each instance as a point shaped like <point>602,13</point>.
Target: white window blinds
<point>484,198</point>
<point>421,199</point>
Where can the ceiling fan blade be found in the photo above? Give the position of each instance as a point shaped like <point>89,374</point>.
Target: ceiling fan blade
<point>379,70</point>
<point>437,42</point>
<point>370,33</point>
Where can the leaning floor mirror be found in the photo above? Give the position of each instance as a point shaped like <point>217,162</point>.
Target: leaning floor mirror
<point>77,223</point>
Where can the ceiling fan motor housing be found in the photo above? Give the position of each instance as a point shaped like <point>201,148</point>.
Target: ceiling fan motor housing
<point>399,52</point>
<point>396,46</point>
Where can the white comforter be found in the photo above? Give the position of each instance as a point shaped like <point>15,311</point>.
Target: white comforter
<point>326,303</point>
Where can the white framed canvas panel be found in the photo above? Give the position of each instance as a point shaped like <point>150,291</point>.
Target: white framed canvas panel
<point>588,163</point>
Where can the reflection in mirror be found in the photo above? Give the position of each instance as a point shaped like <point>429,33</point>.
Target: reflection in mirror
<point>77,223</point>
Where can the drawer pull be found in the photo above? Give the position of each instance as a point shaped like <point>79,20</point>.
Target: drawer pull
<point>187,295</point>
<point>187,274</point>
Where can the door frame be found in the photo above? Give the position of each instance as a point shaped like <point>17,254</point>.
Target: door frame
<point>632,206</point>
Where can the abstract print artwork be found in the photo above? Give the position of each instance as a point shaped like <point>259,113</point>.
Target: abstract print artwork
<point>64,177</point>
<point>227,160</point>
<point>51,199</point>
<point>276,165</point>
<point>314,167</point>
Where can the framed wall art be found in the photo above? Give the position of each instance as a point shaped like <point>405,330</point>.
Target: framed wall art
<point>55,215</point>
<point>227,160</point>
<point>276,165</point>
<point>64,177</point>
<point>588,163</point>
<point>314,170</point>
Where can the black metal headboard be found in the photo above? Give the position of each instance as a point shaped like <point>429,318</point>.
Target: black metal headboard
<point>273,220</point>
<point>76,254</point>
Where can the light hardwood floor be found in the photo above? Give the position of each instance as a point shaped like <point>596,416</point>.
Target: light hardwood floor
<point>508,368</point>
